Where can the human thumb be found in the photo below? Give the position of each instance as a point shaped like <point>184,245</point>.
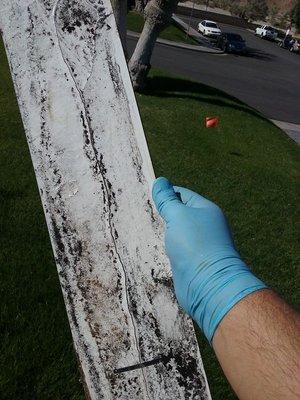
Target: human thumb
<point>164,196</point>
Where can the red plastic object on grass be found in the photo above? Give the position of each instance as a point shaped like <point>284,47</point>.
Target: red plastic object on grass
<point>211,122</point>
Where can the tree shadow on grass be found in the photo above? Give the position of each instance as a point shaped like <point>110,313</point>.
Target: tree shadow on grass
<point>168,87</point>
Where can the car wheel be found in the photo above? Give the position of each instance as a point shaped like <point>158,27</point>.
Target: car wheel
<point>262,35</point>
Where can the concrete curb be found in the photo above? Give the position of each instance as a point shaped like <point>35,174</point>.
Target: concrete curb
<point>198,48</point>
<point>292,130</point>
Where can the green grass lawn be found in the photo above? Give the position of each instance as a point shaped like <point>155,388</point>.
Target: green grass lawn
<point>246,165</point>
<point>135,23</point>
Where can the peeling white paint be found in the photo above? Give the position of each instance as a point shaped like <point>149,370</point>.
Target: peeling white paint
<point>94,173</point>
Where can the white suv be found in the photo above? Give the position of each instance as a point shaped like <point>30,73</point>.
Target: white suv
<point>209,28</point>
<point>266,32</point>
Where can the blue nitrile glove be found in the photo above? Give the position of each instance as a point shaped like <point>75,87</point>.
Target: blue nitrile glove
<point>209,275</point>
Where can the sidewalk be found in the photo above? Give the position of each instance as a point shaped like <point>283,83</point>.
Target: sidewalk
<point>292,130</point>
<point>203,7</point>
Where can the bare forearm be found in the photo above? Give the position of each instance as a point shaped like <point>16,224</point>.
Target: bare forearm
<point>255,334</point>
<point>258,346</point>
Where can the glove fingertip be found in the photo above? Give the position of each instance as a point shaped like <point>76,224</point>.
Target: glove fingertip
<point>163,195</point>
<point>159,185</point>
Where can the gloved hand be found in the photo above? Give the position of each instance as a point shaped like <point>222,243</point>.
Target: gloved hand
<point>209,275</point>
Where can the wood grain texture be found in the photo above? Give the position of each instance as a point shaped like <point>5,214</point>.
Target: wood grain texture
<point>94,174</point>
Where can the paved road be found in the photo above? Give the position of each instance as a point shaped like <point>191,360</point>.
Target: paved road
<point>268,79</point>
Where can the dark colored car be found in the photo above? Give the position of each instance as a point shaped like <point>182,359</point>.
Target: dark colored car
<point>232,43</point>
<point>290,44</point>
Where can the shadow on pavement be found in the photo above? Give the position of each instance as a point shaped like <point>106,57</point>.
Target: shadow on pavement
<point>169,87</point>
<point>259,54</point>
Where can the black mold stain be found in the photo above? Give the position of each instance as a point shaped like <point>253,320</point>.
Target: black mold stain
<point>164,280</point>
<point>132,304</point>
<point>57,174</point>
<point>114,71</point>
<point>31,28</point>
<point>151,210</point>
<point>85,130</point>
<point>72,16</point>
<point>68,253</point>
<point>188,376</point>
<point>154,325</point>
<point>57,236</point>
<point>138,169</point>
<point>63,260</point>
<point>48,4</point>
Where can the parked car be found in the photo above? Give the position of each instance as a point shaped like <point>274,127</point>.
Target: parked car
<point>209,28</point>
<point>295,48</point>
<point>290,44</point>
<point>266,32</point>
<point>232,43</point>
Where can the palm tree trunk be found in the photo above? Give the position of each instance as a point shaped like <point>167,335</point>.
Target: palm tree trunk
<point>158,15</point>
<point>140,6</point>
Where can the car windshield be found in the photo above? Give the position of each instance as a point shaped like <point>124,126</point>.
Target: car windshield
<point>234,37</point>
<point>211,25</point>
<point>269,28</point>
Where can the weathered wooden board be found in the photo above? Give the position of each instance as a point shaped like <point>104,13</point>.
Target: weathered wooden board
<point>94,173</point>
